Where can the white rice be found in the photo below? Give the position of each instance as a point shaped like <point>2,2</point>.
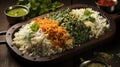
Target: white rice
<point>39,45</point>
<point>98,27</point>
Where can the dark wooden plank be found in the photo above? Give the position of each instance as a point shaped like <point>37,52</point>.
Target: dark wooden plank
<point>6,60</point>
<point>3,56</point>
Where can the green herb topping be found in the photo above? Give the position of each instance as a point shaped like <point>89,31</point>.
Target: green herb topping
<point>34,27</point>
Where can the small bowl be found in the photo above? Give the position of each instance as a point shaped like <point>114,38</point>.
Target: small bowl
<point>16,19</point>
<point>89,63</point>
<point>108,9</point>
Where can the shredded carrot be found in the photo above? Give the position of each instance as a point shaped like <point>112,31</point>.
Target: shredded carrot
<point>57,34</point>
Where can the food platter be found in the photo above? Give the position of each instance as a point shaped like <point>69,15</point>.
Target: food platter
<point>66,54</point>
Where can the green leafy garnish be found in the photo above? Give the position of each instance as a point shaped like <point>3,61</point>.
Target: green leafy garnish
<point>84,17</point>
<point>38,7</point>
<point>34,27</point>
<point>87,16</point>
<point>87,12</point>
<point>92,19</point>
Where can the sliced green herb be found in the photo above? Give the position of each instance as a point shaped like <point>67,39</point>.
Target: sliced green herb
<point>92,19</point>
<point>84,17</point>
<point>34,27</point>
<point>87,12</point>
<point>87,16</point>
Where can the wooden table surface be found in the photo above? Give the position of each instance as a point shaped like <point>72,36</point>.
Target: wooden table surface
<point>6,60</point>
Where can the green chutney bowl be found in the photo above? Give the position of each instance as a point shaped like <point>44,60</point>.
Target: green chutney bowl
<point>16,14</point>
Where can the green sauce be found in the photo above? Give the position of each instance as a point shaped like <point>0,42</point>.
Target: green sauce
<point>96,65</point>
<point>17,12</point>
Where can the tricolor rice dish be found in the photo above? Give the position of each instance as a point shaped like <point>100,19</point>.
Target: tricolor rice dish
<point>60,31</point>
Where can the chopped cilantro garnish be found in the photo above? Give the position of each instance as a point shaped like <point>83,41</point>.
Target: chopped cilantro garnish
<point>87,12</point>
<point>34,27</point>
<point>92,19</point>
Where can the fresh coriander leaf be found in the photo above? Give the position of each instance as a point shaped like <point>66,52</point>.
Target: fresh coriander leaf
<point>87,12</point>
<point>84,17</point>
<point>34,27</point>
<point>28,5</point>
<point>92,19</point>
